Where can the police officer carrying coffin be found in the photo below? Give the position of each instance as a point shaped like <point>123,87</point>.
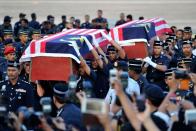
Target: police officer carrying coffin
<point>156,65</point>
<point>18,92</point>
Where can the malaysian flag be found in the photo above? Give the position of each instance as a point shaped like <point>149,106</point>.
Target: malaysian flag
<point>59,45</point>
<point>140,29</point>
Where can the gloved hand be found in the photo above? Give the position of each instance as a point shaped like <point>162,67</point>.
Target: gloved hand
<point>87,42</point>
<point>107,36</point>
<point>150,62</point>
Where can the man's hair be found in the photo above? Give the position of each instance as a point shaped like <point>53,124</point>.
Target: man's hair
<point>130,17</point>
<point>100,11</point>
<point>60,100</point>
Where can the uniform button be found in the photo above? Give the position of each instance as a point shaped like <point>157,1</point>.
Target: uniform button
<point>12,88</point>
<point>10,106</point>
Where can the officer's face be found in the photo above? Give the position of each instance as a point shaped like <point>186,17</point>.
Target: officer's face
<point>179,34</point>
<point>187,50</point>
<point>169,80</point>
<point>36,36</point>
<point>12,73</point>
<point>8,37</point>
<point>27,67</point>
<point>157,50</point>
<point>24,38</point>
<point>112,55</point>
<point>99,13</point>
<point>11,56</point>
<point>94,64</point>
<point>81,71</point>
<point>87,18</point>
<point>187,35</point>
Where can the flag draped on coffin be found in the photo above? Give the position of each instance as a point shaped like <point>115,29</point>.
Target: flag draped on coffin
<point>52,57</point>
<point>59,45</point>
<point>140,29</point>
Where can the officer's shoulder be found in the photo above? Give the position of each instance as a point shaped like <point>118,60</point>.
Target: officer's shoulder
<point>3,82</point>
<point>24,82</point>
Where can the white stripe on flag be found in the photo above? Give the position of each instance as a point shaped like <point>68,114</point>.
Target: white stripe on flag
<point>87,32</point>
<point>116,34</point>
<point>163,26</point>
<point>77,32</point>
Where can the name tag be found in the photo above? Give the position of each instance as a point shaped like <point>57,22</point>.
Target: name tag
<point>21,90</point>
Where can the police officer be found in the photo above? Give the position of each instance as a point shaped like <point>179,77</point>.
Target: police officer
<point>156,65</point>
<point>86,24</point>
<point>23,43</point>
<point>33,23</point>
<point>18,24</point>
<point>187,33</point>
<point>9,55</point>
<point>18,92</point>
<point>69,112</point>
<point>62,25</point>
<point>100,22</point>
<point>135,72</point>
<point>6,25</point>
<point>36,34</point>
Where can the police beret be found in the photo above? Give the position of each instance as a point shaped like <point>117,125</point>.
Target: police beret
<point>187,42</point>
<point>8,50</point>
<point>36,31</point>
<point>187,29</point>
<point>22,15</point>
<point>7,18</point>
<point>169,72</point>
<point>111,48</point>
<point>8,41</point>
<point>7,32</point>
<point>63,17</point>
<point>158,43</point>
<point>135,64</point>
<point>23,32</point>
<point>154,92</point>
<point>60,90</point>
<point>13,64</point>
<point>122,65</point>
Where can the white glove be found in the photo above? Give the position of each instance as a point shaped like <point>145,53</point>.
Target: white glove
<point>75,46</point>
<point>95,43</point>
<point>87,42</point>
<point>108,37</point>
<point>149,61</point>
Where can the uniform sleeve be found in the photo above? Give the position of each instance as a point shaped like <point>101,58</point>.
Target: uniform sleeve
<point>93,75</point>
<point>29,96</point>
<point>166,61</point>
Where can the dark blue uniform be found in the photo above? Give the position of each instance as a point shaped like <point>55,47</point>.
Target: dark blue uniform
<point>155,76</point>
<point>3,68</point>
<point>102,82</point>
<point>99,20</point>
<point>142,82</point>
<point>60,27</point>
<point>86,25</point>
<point>34,24</point>
<point>71,115</point>
<point>20,94</point>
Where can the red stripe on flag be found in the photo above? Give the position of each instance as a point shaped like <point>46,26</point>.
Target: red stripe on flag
<point>104,43</point>
<point>120,34</point>
<point>160,32</point>
<point>112,33</point>
<point>43,47</point>
<point>162,22</point>
<point>32,48</point>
